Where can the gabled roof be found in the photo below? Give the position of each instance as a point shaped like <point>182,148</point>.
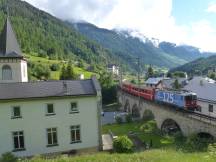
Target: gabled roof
<point>153,81</point>
<point>204,89</point>
<point>9,46</point>
<point>46,89</point>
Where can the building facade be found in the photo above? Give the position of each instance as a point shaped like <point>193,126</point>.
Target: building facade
<point>206,94</point>
<point>44,117</point>
<point>114,69</point>
<point>49,124</point>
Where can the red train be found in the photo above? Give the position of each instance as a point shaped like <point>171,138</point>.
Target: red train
<point>181,99</point>
<point>144,92</point>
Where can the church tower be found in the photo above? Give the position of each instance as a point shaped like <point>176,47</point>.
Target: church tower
<point>13,66</point>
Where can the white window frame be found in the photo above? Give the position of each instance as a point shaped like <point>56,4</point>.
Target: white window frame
<point>13,114</point>
<point>76,110</point>
<point>47,113</point>
<point>75,128</point>
<point>19,135</point>
<point>52,136</point>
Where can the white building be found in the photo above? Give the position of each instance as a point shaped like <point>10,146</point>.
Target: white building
<point>44,117</point>
<point>114,69</point>
<point>13,66</point>
<point>206,94</point>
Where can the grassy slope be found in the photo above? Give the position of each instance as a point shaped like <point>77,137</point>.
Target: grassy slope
<point>166,153</point>
<point>154,155</point>
<point>55,74</point>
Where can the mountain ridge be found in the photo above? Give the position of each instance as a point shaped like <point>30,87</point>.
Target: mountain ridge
<point>150,49</point>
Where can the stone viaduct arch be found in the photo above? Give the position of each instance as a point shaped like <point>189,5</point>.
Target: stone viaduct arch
<point>187,123</point>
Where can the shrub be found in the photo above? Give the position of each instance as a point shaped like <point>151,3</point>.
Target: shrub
<point>149,127</point>
<point>148,115</point>
<point>212,150</point>
<point>123,144</point>
<point>118,120</point>
<point>195,143</point>
<point>8,157</point>
<point>128,118</point>
<point>55,67</point>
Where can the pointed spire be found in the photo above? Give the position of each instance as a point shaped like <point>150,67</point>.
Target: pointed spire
<point>9,46</point>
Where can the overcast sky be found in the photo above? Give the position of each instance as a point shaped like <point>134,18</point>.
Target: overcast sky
<point>190,22</point>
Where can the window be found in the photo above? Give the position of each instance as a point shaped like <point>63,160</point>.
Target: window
<point>50,110</point>
<point>75,134</point>
<point>74,108</point>
<point>52,137</point>
<point>16,113</point>
<point>210,108</point>
<point>6,72</point>
<point>18,140</point>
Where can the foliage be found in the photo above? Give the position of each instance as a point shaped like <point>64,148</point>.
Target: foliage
<point>154,155</point>
<point>212,75</point>
<point>195,143</point>
<point>109,91</point>
<point>150,72</point>
<point>40,71</point>
<point>149,127</point>
<point>176,84</point>
<point>42,34</point>
<point>67,73</point>
<point>122,144</point>
<point>179,74</point>
<point>8,157</point>
<point>128,118</point>
<point>55,67</point>
<point>212,150</point>
<point>148,115</point>
<point>118,119</point>
<point>198,67</point>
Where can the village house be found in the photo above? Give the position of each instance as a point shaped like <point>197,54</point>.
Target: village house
<point>46,116</point>
<point>114,69</point>
<point>205,89</point>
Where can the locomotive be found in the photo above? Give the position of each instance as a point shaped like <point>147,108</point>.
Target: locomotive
<point>180,99</point>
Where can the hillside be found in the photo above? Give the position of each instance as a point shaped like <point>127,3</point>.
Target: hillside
<point>199,66</point>
<point>41,34</point>
<point>123,44</point>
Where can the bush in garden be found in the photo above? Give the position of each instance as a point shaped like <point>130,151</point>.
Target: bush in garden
<point>8,157</point>
<point>212,150</point>
<point>123,144</point>
<point>128,118</point>
<point>118,120</point>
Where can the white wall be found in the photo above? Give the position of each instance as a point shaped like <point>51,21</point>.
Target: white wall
<point>34,124</point>
<point>205,108</point>
<point>17,70</point>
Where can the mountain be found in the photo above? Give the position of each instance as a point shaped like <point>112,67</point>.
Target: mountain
<point>199,66</point>
<point>130,44</point>
<point>40,33</point>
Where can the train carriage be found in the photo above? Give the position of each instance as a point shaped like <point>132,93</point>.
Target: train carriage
<point>182,100</point>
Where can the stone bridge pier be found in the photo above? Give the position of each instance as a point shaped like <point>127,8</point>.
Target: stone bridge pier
<point>167,117</point>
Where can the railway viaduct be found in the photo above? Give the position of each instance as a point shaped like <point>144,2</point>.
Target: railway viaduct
<point>168,117</point>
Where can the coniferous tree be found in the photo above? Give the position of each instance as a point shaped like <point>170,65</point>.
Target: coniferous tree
<point>150,73</point>
<point>63,73</point>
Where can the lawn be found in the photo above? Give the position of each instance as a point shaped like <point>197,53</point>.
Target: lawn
<point>55,74</point>
<point>144,135</point>
<point>161,151</point>
<point>156,155</point>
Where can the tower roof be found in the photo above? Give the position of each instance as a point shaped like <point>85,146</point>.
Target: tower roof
<point>9,46</point>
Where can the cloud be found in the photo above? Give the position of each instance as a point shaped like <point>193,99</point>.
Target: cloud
<point>153,18</point>
<point>211,8</point>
